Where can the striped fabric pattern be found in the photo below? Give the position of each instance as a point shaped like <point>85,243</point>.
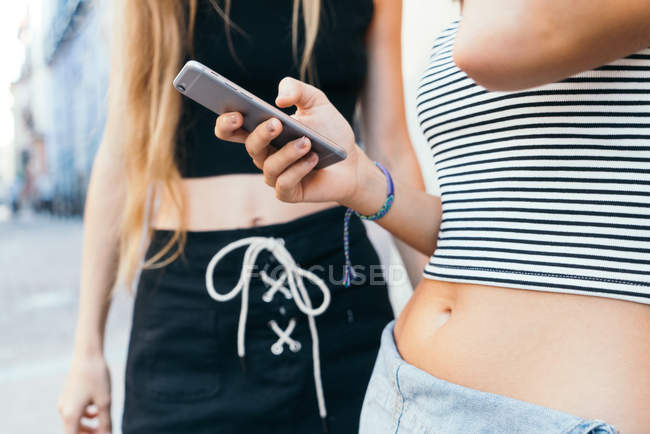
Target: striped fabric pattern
<point>543,189</point>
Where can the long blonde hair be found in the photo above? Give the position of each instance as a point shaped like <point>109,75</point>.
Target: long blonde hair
<point>151,41</point>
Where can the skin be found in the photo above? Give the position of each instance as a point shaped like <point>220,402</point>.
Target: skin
<point>583,355</point>
<point>87,388</point>
<point>515,44</point>
<point>385,131</point>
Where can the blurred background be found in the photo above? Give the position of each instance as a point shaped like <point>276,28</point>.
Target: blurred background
<point>53,83</point>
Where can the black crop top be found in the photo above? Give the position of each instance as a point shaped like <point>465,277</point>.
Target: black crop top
<point>266,57</point>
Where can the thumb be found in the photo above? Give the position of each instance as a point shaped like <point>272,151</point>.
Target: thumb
<point>302,95</point>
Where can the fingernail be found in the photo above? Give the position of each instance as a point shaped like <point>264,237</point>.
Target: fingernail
<point>302,143</point>
<point>272,125</point>
<point>312,158</point>
<point>233,119</point>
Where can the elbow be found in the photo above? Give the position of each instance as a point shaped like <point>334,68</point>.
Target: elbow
<point>474,53</point>
<point>502,59</point>
<point>487,65</point>
<point>469,60</point>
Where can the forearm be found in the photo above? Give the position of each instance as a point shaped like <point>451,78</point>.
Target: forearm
<point>100,255</point>
<point>406,169</point>
<point>414,217</point>
<point>385,130</point>
<point>515,44</point>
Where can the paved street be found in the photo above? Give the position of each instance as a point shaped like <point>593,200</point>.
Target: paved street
<point>39,275</point>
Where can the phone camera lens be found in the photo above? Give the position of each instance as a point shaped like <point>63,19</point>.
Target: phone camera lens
<point>181,88</point>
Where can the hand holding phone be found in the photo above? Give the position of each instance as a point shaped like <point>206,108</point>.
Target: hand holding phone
<point>289,171</point>
<point>220,95</point>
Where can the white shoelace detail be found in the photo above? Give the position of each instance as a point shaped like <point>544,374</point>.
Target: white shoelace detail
<point>293,275</point>
<point>284,337</point>
<point>274,286</point>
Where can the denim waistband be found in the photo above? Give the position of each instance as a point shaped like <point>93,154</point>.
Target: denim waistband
<point>421,402</point>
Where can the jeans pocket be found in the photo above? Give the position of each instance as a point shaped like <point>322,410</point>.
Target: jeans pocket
<point>180,355</point>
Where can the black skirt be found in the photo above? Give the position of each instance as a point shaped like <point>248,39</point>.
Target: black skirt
<point>183,371</point>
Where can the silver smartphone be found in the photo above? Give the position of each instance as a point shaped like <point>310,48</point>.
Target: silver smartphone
<point>221,95</point>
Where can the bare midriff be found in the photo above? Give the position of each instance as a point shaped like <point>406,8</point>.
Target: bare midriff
<point>584,355</point>
<point>230,202</point>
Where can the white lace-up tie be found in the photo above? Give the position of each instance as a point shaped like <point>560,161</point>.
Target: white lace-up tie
<point>274,286</point>
<point>293,275</point>
<point>284,337</point>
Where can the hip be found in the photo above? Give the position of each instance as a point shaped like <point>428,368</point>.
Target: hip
<point>403,398</point>
<point>545,348</point>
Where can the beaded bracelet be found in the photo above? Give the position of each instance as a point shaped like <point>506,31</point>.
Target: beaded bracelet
<point>388,203</point>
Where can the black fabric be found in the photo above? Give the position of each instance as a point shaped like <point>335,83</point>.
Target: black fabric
<point>264,57</point>
<point>183,373</point>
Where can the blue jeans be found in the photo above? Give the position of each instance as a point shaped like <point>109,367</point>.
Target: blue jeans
<point>404,399</point>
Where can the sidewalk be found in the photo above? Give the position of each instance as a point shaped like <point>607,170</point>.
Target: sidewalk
<point>39,274</point>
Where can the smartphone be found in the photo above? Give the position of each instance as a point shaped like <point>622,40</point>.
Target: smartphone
<point>220,95</point>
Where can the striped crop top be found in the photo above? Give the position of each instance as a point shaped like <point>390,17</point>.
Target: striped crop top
<point>543,189</point>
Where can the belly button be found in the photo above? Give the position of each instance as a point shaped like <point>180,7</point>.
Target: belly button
<point>442,318</point>
<point>256,221</point>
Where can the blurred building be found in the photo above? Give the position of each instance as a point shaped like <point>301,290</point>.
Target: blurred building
<point>60,100</point>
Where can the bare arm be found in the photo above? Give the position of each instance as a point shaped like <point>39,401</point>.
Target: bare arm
<point>414,217</point>
<point>383,114</point>
<point>100,248</point>
<point>515,44</point>
<point>88,381</point>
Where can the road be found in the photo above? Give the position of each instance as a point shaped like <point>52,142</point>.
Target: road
<point>39,275</point>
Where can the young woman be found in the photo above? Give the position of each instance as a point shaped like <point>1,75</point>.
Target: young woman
<point>289,345</point>
<point>534,314</point>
